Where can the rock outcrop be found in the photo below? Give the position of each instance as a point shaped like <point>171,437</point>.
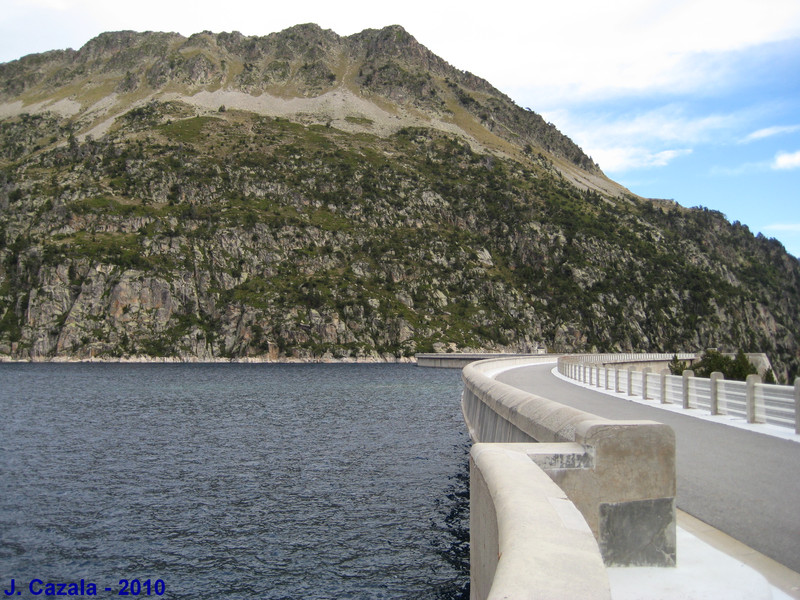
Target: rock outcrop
<point>310,196</point>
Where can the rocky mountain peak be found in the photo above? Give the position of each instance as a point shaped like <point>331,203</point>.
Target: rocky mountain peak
<point>395,42</point>
<point>385,65</point>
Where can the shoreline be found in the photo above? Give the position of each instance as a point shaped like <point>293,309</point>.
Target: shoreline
<point>5,359</point>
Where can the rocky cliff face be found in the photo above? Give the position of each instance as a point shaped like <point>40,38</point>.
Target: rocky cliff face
<point>353,198</point>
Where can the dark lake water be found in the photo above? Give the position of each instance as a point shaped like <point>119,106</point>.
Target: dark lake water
<point>235,481</point>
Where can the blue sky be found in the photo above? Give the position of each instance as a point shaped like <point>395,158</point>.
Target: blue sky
<point>693,100</point>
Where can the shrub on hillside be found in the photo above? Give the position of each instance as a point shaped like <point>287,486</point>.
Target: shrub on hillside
<point>737,368</point>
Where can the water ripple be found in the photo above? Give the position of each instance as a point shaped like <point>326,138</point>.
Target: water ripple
<point>236,481</point>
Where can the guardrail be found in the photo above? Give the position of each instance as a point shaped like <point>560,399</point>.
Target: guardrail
<point>752,400</point>
<point>620,475</point>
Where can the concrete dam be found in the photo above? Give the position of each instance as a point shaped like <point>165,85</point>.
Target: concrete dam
<point>561,497</point>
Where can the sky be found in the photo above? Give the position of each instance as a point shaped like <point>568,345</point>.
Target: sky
<point>696,101</point>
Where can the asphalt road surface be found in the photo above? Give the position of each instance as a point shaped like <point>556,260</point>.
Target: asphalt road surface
<point>743,483</point>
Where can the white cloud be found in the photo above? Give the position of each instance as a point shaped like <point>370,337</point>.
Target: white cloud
<point>585,49</point>
<point>623,159</point>
<point>785,161</point>
<point>785,227</point>
<point>665,125</point>
<point>749,168</point>
<point>46,4</point>
<point>768,132</point>
<point>639,140</point>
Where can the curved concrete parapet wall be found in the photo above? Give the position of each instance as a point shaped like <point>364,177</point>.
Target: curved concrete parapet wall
<point>497,412</point>
<point>457,360</point>
<point>527,540</point>
<point>619,474</point>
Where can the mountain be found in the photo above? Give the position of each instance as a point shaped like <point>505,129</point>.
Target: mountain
<point>305,195</point>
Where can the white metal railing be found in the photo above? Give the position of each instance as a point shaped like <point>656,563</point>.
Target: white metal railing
<point>752,400</point>
<point>653,386</point>
<point>732,399</point>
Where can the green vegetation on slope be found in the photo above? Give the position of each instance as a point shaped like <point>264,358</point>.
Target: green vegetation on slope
<point>237,235</point>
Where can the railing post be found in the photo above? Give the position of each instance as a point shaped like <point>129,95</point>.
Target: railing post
<point>630,382</point>
<point>607,386</point>
<point>715,377</point>
<point>616,379</point>
<point>645,371</point>
<point>664,373</point>
<point>755,410</point>
<point>797,405</point>
<point>688,373</point>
